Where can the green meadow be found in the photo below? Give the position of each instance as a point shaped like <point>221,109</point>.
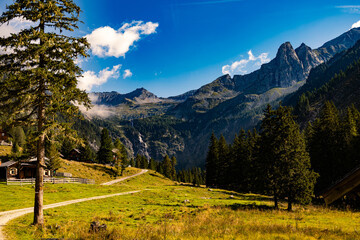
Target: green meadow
<point>168,210</point>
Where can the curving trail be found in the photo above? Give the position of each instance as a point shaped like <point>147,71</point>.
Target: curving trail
<point>7,216</point>
<point>124,178</point>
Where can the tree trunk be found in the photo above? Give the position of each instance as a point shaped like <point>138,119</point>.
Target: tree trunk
<point>276,204</point>
<point>289,204</point>
<point>39,184</point>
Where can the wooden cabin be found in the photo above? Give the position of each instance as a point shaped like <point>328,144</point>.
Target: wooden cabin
<point>75,155</point>
<point>349,185</point>
<point>4,137</point>
<point>20,170</point>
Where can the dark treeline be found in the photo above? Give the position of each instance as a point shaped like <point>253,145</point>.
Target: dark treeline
<point>196,176</point>
<point>333,143</point>
<point>284,162</point>
<point>166,167</point>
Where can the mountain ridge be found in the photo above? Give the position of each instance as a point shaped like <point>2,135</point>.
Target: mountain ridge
<point>225,105</point>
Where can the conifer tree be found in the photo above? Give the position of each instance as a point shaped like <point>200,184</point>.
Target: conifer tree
<point>324,147</point>
<point>167,167</point>
<point>18,136</point>
<point>124,159</point>
<point>87,154</point>
<point>38,74</point>
<point>284,159</point>
<point>212,161</point>
<point>143,162</point>
<point>138,160</point>
<point>105,154</point>
<point>152,164</point>
<point>54,156</point>
<point>132,162</point>
<point>223,172</point>
<point>173,170</point>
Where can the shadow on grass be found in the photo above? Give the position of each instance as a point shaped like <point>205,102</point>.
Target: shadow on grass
<point>104,169</point>
<point>239,206</point>
<point>246,196</point>
<point>171,205</point>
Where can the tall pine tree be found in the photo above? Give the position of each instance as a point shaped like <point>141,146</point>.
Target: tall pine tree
<point>212,161</point>
<point>105,154</point>
<point>284,159</point>
<point>38,74</point>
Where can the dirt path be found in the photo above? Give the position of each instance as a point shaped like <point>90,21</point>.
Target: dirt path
<point>7,216</point>
<point>124,178</point>
<point>10,215</point>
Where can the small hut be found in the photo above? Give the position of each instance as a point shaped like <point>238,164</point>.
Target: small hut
<point>21,169</point>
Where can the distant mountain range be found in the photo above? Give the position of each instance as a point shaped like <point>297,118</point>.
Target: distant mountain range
<point>182,125</point>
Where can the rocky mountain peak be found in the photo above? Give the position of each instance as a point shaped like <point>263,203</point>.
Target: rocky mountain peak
<point>308,57</point>
<point>141,95</point>
<point>285,49</point>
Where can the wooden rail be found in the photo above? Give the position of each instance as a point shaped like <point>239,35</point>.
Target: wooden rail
<point>49,180</point>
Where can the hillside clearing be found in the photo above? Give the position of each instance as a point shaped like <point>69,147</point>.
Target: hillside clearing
<point>99,172</point>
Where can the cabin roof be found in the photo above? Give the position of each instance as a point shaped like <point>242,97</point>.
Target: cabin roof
<point>7,164</point>
<point>76,150</point>
<point>343,186</point>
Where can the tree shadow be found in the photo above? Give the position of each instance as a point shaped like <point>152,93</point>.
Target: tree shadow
<point>250,206</point>
<point>104,169</point>
<point>246,196</point>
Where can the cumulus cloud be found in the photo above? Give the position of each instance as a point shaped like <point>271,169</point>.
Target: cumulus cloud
<point>14,26</point>
<point>108,42</point>
<point>356,25</point>
<point>244,65</point>
<point>90,78</point>
<point>100,111</point>
<point>127,73</point>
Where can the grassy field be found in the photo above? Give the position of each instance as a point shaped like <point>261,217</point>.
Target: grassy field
<point>166,210</point>
<point>5,150</point>
<point>100,173</point>
<point>16,197</point>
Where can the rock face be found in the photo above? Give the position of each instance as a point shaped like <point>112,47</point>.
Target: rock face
<point>339,44</point>
<point>140,95</point>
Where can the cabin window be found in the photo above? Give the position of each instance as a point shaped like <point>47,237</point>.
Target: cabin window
<point>13,171</point>
<point>47,173</point>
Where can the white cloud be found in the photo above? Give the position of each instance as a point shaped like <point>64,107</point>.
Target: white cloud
<point>244,65</point>
<point>354,9</point>
<point>106,41</point>
<point>90,78</point>
<point>14,26</point>
<point>127,73</point>
<point>101,111</point>
<point>356,25</point>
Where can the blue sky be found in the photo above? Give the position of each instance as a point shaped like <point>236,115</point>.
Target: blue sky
<point>173,46</point>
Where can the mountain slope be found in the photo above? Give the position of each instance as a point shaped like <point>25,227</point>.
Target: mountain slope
<point>139,95</point>
<point>182,125</point>
<point>322,75</point>
<point>287,68</point>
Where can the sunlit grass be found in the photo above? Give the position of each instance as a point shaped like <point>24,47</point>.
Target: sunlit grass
<point>100,173</point>
<point>167,210</point>
<point>5,150</point>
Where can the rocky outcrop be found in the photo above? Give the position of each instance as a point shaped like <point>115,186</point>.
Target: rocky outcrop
<point>140,95</point>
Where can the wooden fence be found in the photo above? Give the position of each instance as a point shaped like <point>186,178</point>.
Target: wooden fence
<point>49,180</point>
